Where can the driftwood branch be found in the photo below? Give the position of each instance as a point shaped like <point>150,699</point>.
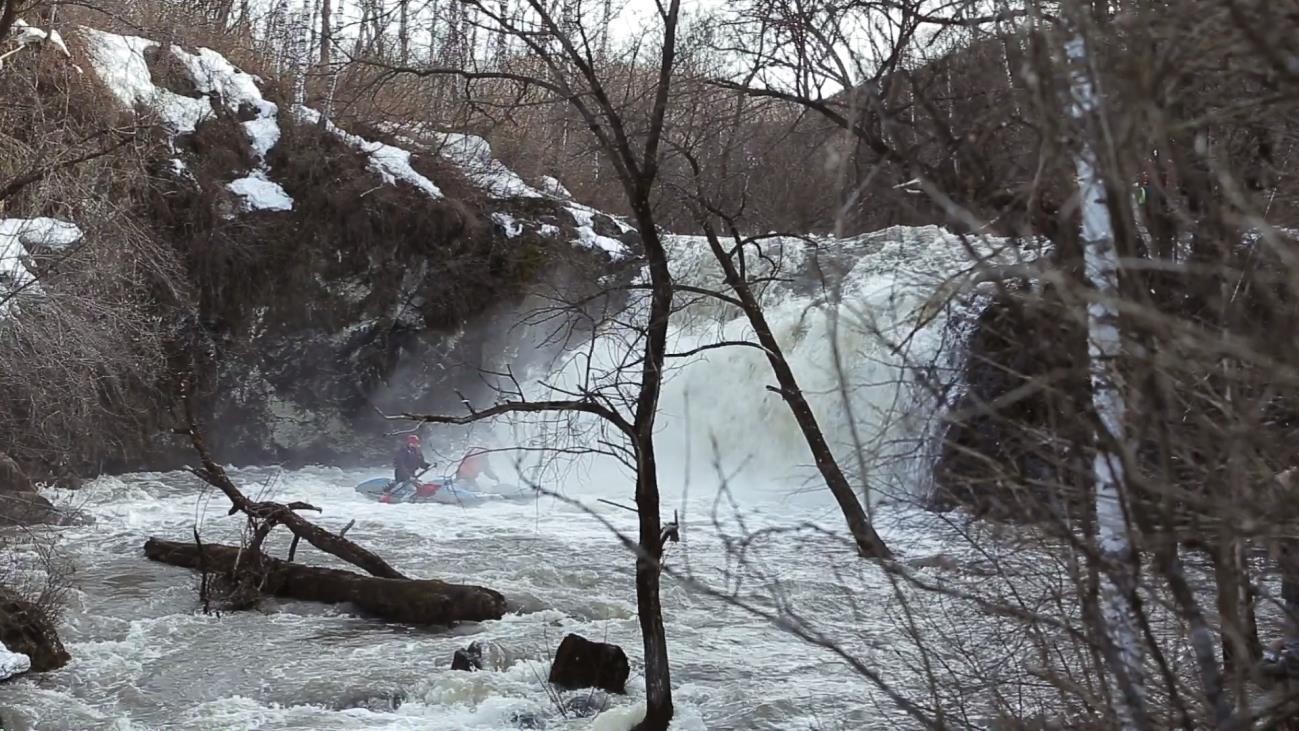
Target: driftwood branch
<point>263,513</point>
<point>417,601</point>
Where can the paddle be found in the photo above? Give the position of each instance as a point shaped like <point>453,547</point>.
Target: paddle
<point>414,479</point>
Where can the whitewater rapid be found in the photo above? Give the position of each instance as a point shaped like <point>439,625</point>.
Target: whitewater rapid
<point>145,656</point>
<point>878,361</point>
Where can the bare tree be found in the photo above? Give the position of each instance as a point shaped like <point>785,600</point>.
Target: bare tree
<point>567,68</point>
<point>1104,345</point>
<point>733,262</point>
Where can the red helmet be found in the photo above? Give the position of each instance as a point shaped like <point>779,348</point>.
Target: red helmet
<point>412,440</point>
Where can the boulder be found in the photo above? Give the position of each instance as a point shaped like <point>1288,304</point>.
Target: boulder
<point>20,504</point>
<point>525,720</point>
<point>468,658</point>
<point>581,663</point>
<point>482,655</point>
<point>25,629</point>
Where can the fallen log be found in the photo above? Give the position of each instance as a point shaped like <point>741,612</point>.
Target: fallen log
<point>415,601</point>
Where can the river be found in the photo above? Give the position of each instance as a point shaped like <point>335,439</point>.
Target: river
<point>146,657</point>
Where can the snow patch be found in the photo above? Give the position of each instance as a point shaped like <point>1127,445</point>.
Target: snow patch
<point>261,194</point>
<point>506,221</point>
<point>28,35</point>
<point>48,232</point>
<point>552,187</point>
<point>586,236</point>
<point>57,39</point>
<point>263,133</point>
<point>13,663</point>
<point>119,62</point>
<point>16,234</point>
<point>390,163</point>
<point>473,155</point>
<point>213,74</point>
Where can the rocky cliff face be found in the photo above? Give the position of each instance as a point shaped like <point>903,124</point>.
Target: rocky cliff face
<point>332,274</point>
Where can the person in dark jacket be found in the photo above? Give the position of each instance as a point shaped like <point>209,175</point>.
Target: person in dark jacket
<point>408,460</point>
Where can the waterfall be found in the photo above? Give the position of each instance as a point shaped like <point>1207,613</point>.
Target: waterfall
<point>874,326</point>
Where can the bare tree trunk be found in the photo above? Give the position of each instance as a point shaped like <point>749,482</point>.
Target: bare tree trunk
<point>326,32</point>
<point>868,542</point>
<point>362,29</point>
<point>1104,346</point>
<point>1201,635</point>
<point>649,605</point>
<point>403,31</point>
<point>8,15</point>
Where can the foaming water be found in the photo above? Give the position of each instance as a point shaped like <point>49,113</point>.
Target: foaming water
<point>868,328</point>
<point>145,657</point>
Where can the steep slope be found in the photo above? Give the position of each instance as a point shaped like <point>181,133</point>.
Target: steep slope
<point>330,275</point>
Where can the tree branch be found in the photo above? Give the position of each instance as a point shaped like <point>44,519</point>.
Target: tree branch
<point>516,407</point>
<point>268,512</point>
<point>18,182</point>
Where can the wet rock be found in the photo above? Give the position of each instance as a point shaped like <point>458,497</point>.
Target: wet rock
<point>20,504</point>
<point>482,655</point>
<point>468,659</point>
<point>524,720</point>
<point>581,663</point>
<point>25,629</point>
<point>1009,443</point>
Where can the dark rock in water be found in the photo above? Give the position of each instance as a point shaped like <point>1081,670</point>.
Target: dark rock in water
<point>20,504</point>
<point>523,720</point>
<point>581,663</point>
<point>25,628</point>
<point>482,655</point>
<point>468,658</point>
